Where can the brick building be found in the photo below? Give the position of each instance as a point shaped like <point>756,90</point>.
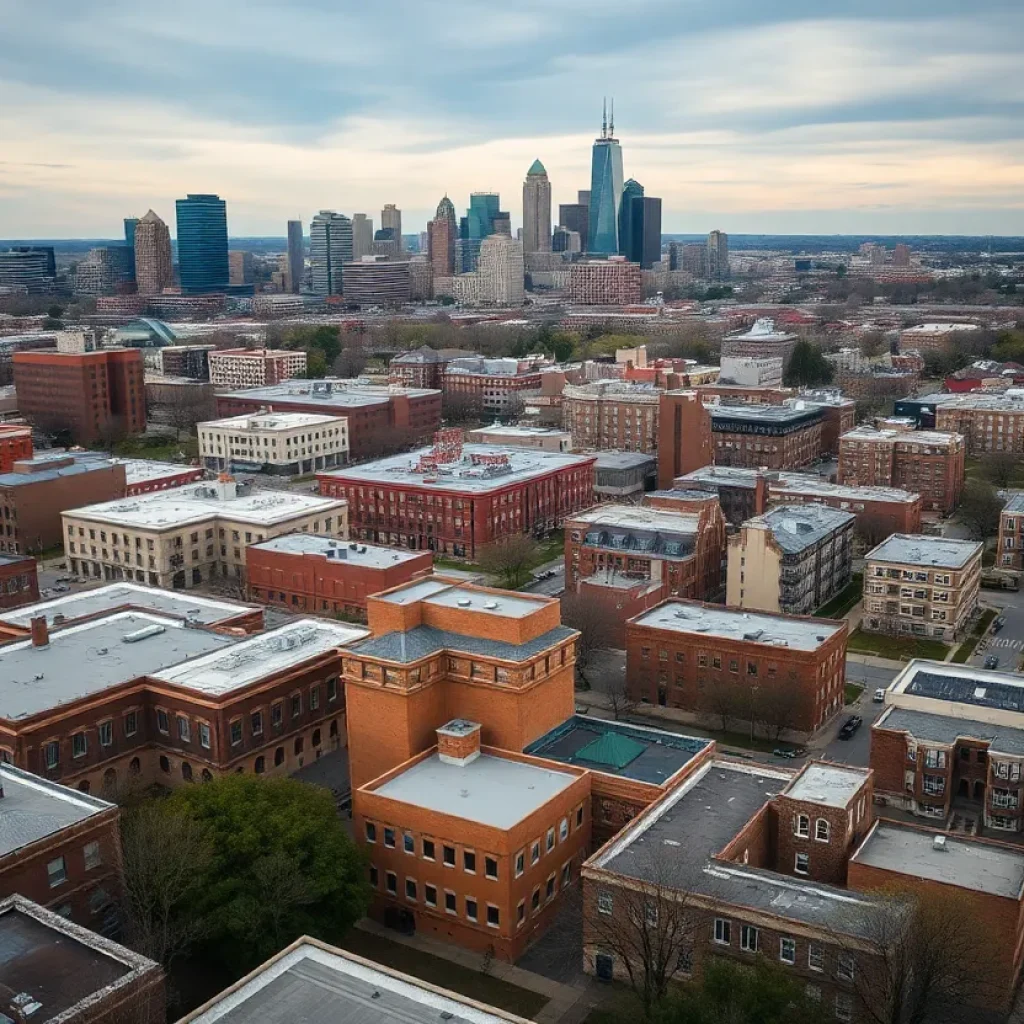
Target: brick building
<point>793,559</point>
<point>19,581</point>
<point>926,462</point>
<point>54,970</point>
<point>759,342</point>
<point>921,585</point>
<point>988,422</point>
<point>612,414</point>
<point>545,439</point>
<point>685,439</point>
<point>423,367</point>
<point>15,445</point>
<point>456,499</point>
<point>379,418</point>
<point>320,574</point>
<point>773,436</point>
<point>143,476</point>
<point>784,672</point>
<point>934,337</point>
<point>89,395</point>
<point>1010,546</point>
<point>179,702</point>
<point>494,386</point>
<point>254,368</point>
<point>36,492</point>
<point>611,282</point>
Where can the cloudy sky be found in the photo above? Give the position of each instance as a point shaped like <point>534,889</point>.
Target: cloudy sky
<point>786,116</point>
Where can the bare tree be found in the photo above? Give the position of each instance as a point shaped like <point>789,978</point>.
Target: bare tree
<point>510,559</point>
<point>721,703</point>
<point>598,625</point>
<point>186,407</point>
<point>1000,468</point>
<point>622,699</point>
<point>460,408</point>
<point>979,511</point>
<point>776,707</point>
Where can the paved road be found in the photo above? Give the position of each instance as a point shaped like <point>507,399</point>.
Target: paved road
<point>1008,644</point>
<point>552,586</point>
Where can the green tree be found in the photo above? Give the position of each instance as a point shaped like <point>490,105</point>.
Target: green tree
<point>316,364</point>
<point>807,366</point>
<point>282,866</point>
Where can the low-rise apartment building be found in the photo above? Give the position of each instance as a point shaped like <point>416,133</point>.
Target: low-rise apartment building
<point>181,537</point>
<point>19,581</point>
<point>933,337</point>
<point>793,559</point>
<point>1010,547</point>
<point>289,443</point>
<point>254,368</point>
<point>752,371</point>
<point>921,586</point>
<point>423,367</point>
<point>612,414</point>
<point>988,422</point>
<point>773,436</point>
<point>926,462</point>
<point>145,475</point>
<point>306,572</point>
<point>544,439</point>
<point>782,674</point>
<point>495,387</point>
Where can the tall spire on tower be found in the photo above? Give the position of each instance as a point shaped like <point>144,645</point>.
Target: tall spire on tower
<point>611,123</point>
<point>604,118</point>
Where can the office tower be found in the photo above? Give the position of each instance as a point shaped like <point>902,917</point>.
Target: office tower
<point>502,223</point>
<point>153,269</point>
<point>391,217</point>
<point>330,247</point>
<point>718,256</point>
<point>105,270</point>
<point>478,223</point>
<point>646,224</point>
<point>537,210</point>
<point>130,224</point>
<point>575,216</point>
<point>629,229</point>
<point>385,244</point>
<point>564,240</point>
<point>441,236</point>
<point>296,256</point>
<point>202,244</point>
<point>362,235</point>
<point>605,189</point>
<point>673,255</point>
<point>694,260</point>
<point>240,269</point>
<point>501,271</point>
<point>23,268</point>
<point>423,240</point>
<point>901,255</point>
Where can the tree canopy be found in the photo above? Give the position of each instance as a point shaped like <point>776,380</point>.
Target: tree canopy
<point>807,367</point>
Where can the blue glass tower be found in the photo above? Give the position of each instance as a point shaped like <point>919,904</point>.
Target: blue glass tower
<point>630,230</point>
<point>484,210</point>
<point>202,244</point>
<point>605,190</point>
<point>130,224</point>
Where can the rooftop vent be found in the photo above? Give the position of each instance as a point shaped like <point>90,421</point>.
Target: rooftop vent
<point>143,634</point>
<point>490,605</point>
<point>939,843</point>
<point>464,602</point>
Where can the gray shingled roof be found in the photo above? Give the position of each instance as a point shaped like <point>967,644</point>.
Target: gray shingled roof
<point>423,641</point>
<point>942,729</point>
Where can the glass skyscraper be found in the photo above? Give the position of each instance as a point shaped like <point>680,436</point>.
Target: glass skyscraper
<point>484,210</point>
<point>202,244</point>
<point>130,224</point>
<point>605,191</point>
<point>330,248</point>
<point>630,231</point>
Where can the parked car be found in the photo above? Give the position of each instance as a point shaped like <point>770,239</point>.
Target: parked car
<point>992,661</point>
<point>790,752</point>
<point>850,726</point>
<point>998,623</point>
<point>879,697</point>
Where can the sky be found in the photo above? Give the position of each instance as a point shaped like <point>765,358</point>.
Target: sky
<point>749,116</point>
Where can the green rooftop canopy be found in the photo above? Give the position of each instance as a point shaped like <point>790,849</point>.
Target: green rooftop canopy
<point>611,749</point>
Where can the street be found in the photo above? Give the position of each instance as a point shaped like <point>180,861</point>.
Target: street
<point>1008,643</point>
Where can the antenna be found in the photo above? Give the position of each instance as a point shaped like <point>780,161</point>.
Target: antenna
<point>604,119</point>
<point>611,124</point>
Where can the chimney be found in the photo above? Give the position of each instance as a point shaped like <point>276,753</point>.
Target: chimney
<point>40,631</point>
<point>458,742</point>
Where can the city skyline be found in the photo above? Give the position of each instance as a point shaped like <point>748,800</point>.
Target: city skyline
<point>898,118</point>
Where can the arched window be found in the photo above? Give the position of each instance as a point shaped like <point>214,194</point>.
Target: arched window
<point>109,780</point>
<point>259,765</point>
<point>207,775</point>
<point>186,771</point>
<point>279,757</point>
<point>298,744</point>
<point>821,830</point>
<point>83,786</point>
<point>802,826</point>
<point>333,731</point>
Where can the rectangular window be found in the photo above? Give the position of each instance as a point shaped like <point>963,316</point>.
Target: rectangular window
<point>184,730</point>
<point>56,873</point>
<point>332,689</point>
<point>550,843</point>
<point>787,951</point>
<point>371,832</point>
<point>563,830</point>
<point>256,723</point>
<point>408,843</point>
<point>549,888</point>
<point>535,900</point>
<point>490,867</point>
<point>448,852</point>
<point>92,856</point>
<point>579,815</point>
<point>236,732</point>
<point>604,902</point>
<point>204,735</point>
<point>276,714</point>
<point>449,902</point>
<point>844,1006</point>
<point>52,754</point>
<point>520,912</point>
<point>723,931</point>
<point>389,838</point>
<point>79,744</point>
<point>535,852</point>
<point>802,864</point>
<point>430,895</point>
<point>296,705</point>
<point>493,916</point>
<point>428,849</point>
<point>845,967</point>
<point>815,957</point>
<point>802,826</point>
<point>374,876</point>
<point>106,733</point>
<point>314,698</point>
<point>391,882</point>
<point>410,889</point>
<point>131,723</point>
<point>520,862</point>
<point>469,861</point>
<point>471,908</point>
<point>748,939</point>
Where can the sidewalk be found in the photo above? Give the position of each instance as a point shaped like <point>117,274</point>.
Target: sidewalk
<point>567,1004</point>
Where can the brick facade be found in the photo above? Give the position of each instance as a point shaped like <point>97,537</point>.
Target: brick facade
<point>19,581</point>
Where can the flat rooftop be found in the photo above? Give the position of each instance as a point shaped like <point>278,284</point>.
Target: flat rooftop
<point>615,748</point>
<point>921,549</point>
<point>939,328</point>
<point>32,808</point>
<point>88,603</point>
<point>35,679</point>
<point>638,517</point>
<point>491,791</point>
<point>474,472</point>
<point>815,486</point>
<point>274,421</point>
<point>423,641</point>
<point>139,471</point>
<point>796,527</point>
<point>865,433</point>
<point>828,784</point>
<point>980,867</point>
<point>370,555</point>
<point>76,468</point>
<point>248,660</point>
<point>722,623</point>
<point>316,984</point>
<point>1015,504</point>
<point>624,460</point>
<point>961,684</point>
<point>778,414</point>
<point>503,430</point>
<point>328,392</point>
<point>199,502</point>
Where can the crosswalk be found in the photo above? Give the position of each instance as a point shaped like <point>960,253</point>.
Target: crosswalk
<point>1013,645</point>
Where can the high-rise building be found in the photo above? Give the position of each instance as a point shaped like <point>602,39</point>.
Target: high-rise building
<point>501,270</point>
<point>673,256</point>
<point>362,235</point>
<point>718,256</point>
<point>202,244</point>
<point>479,222</point>
<point>391,217</point>
<point>25,268</point>
<point>605,190</point>
<point>385,243</point>
<point>240,268</point>
<point>153,268</point>
<point>330,247</point>
<point>378,281</point>
<point>104,270</point>
<point>537,210</point>
<point>694,260</point>
<point>441,236</point>
<point>130,224</point>
<point>647,239</point>
<point>564,240</point>
<point>630,230</point>
<point>901,255</point>
<point>296,256</point>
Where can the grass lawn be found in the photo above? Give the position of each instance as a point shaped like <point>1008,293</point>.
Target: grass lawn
<point>966,649</point>
<point>620,1006</point>
<point>548,550</point>
<point>444,973</point>
<point>852,692</point>
<point>975,467</point>
<point>844,600</point>
<point>896,647</point>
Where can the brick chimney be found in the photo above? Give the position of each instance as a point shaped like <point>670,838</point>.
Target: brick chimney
<point>40,631</point>
<point>458,742</point>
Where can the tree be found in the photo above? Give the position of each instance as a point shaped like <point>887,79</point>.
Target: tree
<point>510,559</point>
<point>872,343</point>
<point>1000,468</point>
<point>598,625</point>
<point>980,507</point>
<point>462,408</point>
<point>316,364</point>
<point>776,707</point>
<point>283,866</point>
<point>188,406</point>
<point>807,367</point>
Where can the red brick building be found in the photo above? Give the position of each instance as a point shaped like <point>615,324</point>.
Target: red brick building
<point>927,462</point>
<point>15,445</point>
<point>494,386</point>
<point>89,395</point>
<point>319,574</point>
<point>1010,546</point>
<point>455,498</point>
<point>773,436</point>
<point>260,367</point>
<point>19,581</point>
<point>423,367</point>
<point>611,282</point>
<point>685,441</point>
<point>143,475</point>
<point>612,415</point>
<point>787,672</point>
<point>379,418</point>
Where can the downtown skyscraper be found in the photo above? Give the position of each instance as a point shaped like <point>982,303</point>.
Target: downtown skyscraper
<point>202,244</point>
<point>153,268</point>
<point>537,210</point>
<point>330,248</point>
<point>391,217</point>
<point>441,235</point>
<point>605,189</point>
<point>296,256</point>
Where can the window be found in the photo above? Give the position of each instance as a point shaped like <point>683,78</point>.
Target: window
<point>493,916</point>
<point>410,888</point>
<point>935,759</point>
<point>93,857</point>
<point>802,827</point>
<point>844,1006</point>
<point>605,902</point>
<point>490,867</point>
<point>374,877</point>
<point>79,744</point>
<point>469,861</point>
<point>314,698</point>
<point>131,723</point>
<point>276,714</point>
<point>549,888</point>
<point>787,951</point>
<point>56,873</point>
<point>813,993</point>
<point>448,852</point>
<point>296,705</point>
<point>535,852</point>
<point>52,754</point>
<point>520,862</point>
<point>371,832</point>
<point>821,830</point>
<point>204,735</point>
<point>748,939</point>
<point>802,864</point>
<point>256,723</point>
<point>236,732</point>
<point>408,843</point>
<point>389,838</point>
<point>844,967</point>
<point>449,902</point>
<point>391,882</point>
<point>106,730</point>
<point>471,908</point>
<point>184,730</point>
<point>430,895</point>
<point>520,912</point>
<point>550,842</point>
<point>428,849</point>
<point>815,957</point>
<point>723,931</point>
<point>563,830</point>
<point>579,815</point>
